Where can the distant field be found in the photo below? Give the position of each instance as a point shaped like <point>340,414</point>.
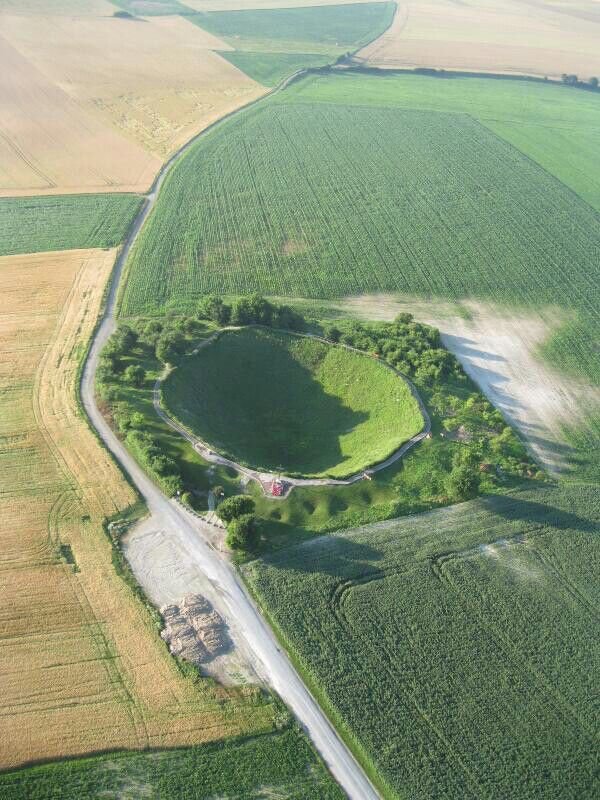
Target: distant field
<point>454,648</point>
<point>331,29</point>
<point>282,764</point>
<point>82,668</point>
<point>556,126</point>
<point>278,402</point>
<point>535,37</point>
<point>37,224</point>
<point>144,87</point>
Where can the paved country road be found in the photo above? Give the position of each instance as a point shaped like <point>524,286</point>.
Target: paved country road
<point>232,600</point>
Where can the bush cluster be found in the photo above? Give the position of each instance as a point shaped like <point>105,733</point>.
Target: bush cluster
<point>253,310</point>
<point>242,528</point>
<point>410,347</point>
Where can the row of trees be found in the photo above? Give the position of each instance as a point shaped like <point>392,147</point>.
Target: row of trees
<point>253,310</point>
<point>573,80</point>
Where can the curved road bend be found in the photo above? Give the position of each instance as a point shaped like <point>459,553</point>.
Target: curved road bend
<point>236,606</point>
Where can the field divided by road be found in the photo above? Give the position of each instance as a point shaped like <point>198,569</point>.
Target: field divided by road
<point>455,647</point>
<point>66,222</point>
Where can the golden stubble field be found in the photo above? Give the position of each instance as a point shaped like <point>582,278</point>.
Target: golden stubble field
<point>95,103</point>
<point>504,36</point>
<point>82,668</point>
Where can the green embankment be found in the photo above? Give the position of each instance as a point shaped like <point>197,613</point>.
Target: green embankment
<point>456,645</point>
<point>65,222</point>
<point>331,30</point>
<point>277,765</point>
<point>285,403</point>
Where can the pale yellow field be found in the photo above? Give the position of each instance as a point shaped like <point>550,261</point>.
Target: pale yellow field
<point>81,667</point>
<point>505,36</point>
<point>96,103</point>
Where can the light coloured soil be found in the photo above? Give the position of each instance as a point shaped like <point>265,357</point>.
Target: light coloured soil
<point>81,666</point>
<point>166,572</point>
<point>503,36</point>
<point>498,350</point>
<point>96,103</point>
<point>51,144</point>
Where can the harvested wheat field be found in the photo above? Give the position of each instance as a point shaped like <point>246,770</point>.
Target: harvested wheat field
<point>501,36</point>
<point>105,123</point>
<point>81,665</point>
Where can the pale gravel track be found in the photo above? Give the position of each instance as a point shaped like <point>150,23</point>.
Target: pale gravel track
<point>232,599</point>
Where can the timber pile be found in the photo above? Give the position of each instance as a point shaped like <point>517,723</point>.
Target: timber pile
<point>193,630</point>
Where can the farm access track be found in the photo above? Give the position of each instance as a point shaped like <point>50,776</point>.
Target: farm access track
<point>232,599</point>
<point>265,479</point>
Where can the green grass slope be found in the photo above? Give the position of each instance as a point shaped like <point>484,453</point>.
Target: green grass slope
<point>65,222</point>
<point>329,29</point>
<point>281,765</point>
<point>455,648</point>
<point>286,403</point>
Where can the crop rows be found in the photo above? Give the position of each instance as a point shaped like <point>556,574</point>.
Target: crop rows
<point>65,222</point>
<point>455,647</point>
<point>323,200</point>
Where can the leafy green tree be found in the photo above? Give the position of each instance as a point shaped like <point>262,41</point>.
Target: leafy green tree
<point>135,375</point>
<point>215,309</point>
<point>463,482</point>
<point>242,533</point>
<point>594,82</point>
<point>236,506</point>
<point>253,310</point>
<point>170,346</point>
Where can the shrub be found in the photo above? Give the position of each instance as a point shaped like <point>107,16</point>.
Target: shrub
<point>214,308</point>
<point>242,533</point>
<point>234,507</point>
<point>463,483</point>
<point>135,375</point>
<point>170,346</point>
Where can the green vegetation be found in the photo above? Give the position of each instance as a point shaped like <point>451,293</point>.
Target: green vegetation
<point>65,222</point>
<point>556,127</point>
<point>280,402</point>
<point>269,69</point>
<point>467,432</point>
<point>314,29</point>
<point>442,207</point>
<point>282,764</point>
<point>454,648</point>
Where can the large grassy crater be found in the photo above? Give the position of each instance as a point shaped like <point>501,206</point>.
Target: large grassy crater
<point>281,402</point>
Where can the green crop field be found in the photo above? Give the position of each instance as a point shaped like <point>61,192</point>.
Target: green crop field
<point>441,207</point>
<point>271,68</point>
<point>557,127</point>
<point>281,765</point>
<point>285,403</point>
<point>65,222</point>
<point>331,29</point>
<point>457,648</point>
